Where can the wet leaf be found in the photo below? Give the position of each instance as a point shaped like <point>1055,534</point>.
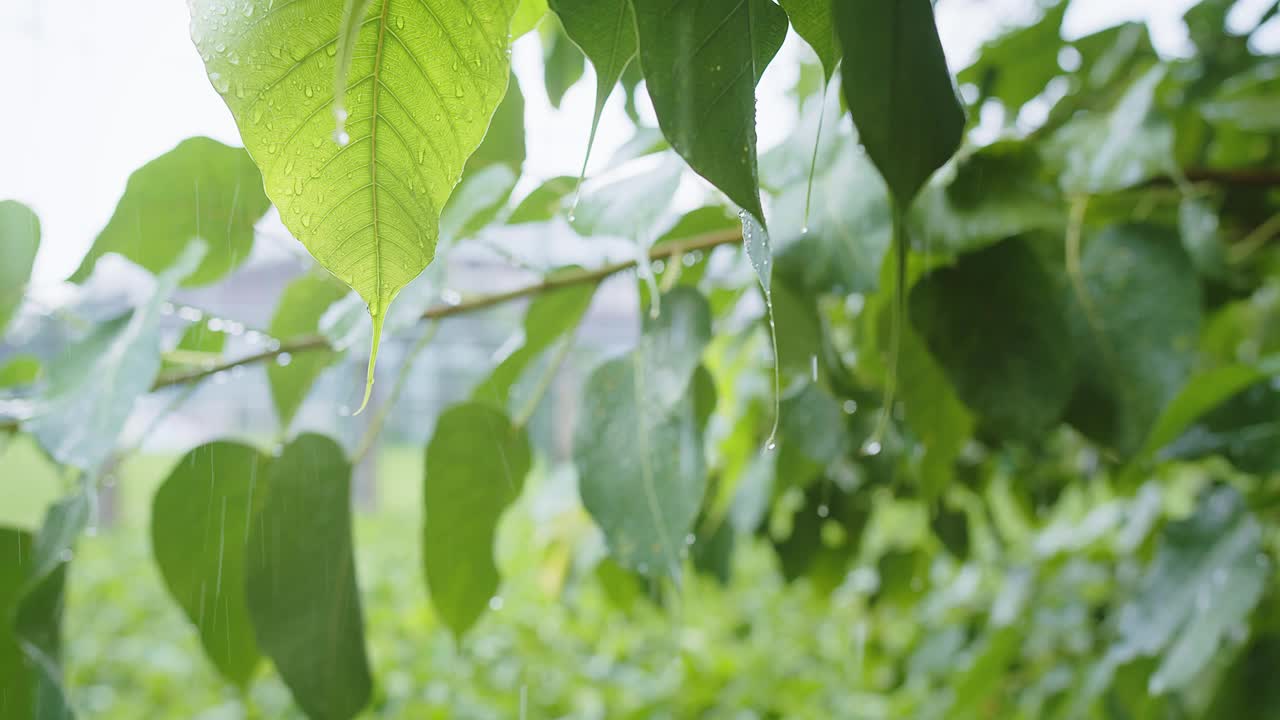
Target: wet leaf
<point>1207,577</point>
<point>605,30</point>
<point>19,241</point>
<point>550,315</point>
<point>298,312</point>
<point>562,62</point>
<point>899,90</point>
<point>1119,148</point>
<point>997,327</point>
<point>92,385</point>
<point>17,679</point>
<point>701,64</point>
<point>1134,334</point>
<point>476,463</point>
<point>202,190</point>
<point>638,447</point>
<point>301,586</point>
<point>200,519</point>
<point>815,22</point>
<point>528,14</point>
<point>1018,65</point>
<point>544,202</point>
<point>424,81</point>
<point>37,617</point>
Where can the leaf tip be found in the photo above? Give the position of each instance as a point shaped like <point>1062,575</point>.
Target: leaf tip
<point>377,317</point>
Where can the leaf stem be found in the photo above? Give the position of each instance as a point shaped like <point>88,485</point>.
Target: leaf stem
<point>544,383</point>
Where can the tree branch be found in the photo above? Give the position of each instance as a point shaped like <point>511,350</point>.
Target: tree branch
<point>309,343</point>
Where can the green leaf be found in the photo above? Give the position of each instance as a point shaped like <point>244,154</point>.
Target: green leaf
<point>813,423</point>
<point>17,680</point>
<point>92,385</point>
<point>528,14</point>
<point>300,582</point>
<point>1202,393</point>
<point>476,463</point>
<point>1207,577</point>
<point>701,63</point>
<point>20,370</point>
<point>563,62</point>
<point>998,329</point>
<point>638,446</point>
<point>544,202</point>
<point>981,682</point>
<point>504,143</point>
<point>202,190</point>
<point>815,22</point>
<point>298,312</point>
<point>605,30</point>
<point>630,207</point>
<point>1119,148</point>
<point>933,411</point>
<point>848,232</point>
<point>200,520</point>
<point>37,617</point>
<point>425,79</point>
<point>550,315</point>
<point>1018,65</point>
<point>899,90</point>
<point>1135,331</point>
<point>19,242</point>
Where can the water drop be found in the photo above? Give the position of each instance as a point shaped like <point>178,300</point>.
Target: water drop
<point>495,603</point>
<point>850,407</point>
<point>283,359</point>
<point>690,539</point>
<point>450,297</point>
<point>771,446</point>
<point>400,23</point>
<point>66,555</point>
<point>341,137</point>
<point>871,449</point>
<point>215,324</point>
<point>823,510</point>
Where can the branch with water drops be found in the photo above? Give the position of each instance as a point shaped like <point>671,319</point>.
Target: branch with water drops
<point>456,306</point>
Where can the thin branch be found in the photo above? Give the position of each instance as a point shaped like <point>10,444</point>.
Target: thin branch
<point>310,343</point>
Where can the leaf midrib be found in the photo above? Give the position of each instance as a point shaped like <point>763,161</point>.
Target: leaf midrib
<point>373,161</point>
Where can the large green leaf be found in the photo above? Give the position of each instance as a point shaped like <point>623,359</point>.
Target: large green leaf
<point>1135,329</point>
<point>550,315</point>
<point>425,78</point>
<point>815,22</point>
<point>202,190</point>
<point>997,326</point>
<point>17,681</point>
<point>302,304</point>
<point>605,30</point>
<point>899,90</point>
<point>92,385</point>
<point>199,526</point>
<point>528,14</point>
<point>300,582</point>
<point>638,445</point>
<point>19,241</point>
<point>1206,579</point>
<point>475,466</point>
<point>701,63</point>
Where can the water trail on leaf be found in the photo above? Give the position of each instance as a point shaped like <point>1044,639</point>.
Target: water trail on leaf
<point>353,12</point>
<point>591,141</point>
<point>813,162</point>
<point>378,316</point>
<point>899,316</point>
<point>756,240</point>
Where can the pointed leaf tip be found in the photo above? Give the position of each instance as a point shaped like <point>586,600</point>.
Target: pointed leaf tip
<point>373,360</point>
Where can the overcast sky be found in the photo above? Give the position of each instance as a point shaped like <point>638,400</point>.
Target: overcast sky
<point>95,88</point>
